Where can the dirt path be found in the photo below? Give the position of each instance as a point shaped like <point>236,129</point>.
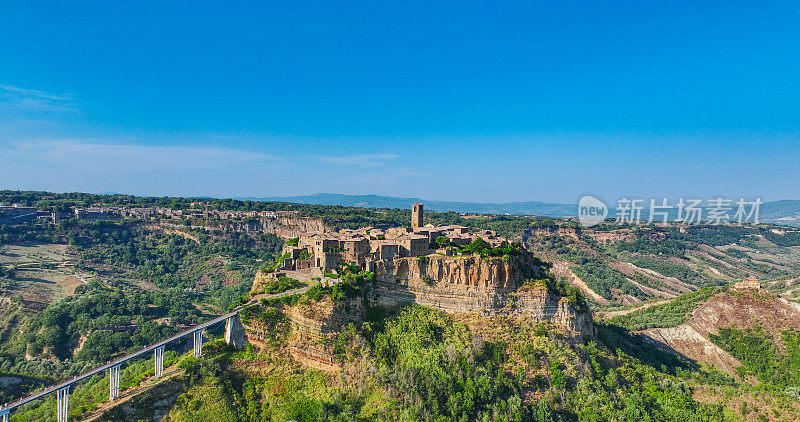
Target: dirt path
<point>626,311</point>
<point>145,385</point>
<point>561,268</point>
<point>182,234</point>
<point>256,298</point>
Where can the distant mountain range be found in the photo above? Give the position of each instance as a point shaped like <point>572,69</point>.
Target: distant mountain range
<point>376,201</point>
<point>785,212</point>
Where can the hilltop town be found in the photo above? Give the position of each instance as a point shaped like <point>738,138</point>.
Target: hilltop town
<point>364,247</point>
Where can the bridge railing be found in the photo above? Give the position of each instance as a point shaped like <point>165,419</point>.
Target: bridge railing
<point>63,387</point>
<point>107,366</point>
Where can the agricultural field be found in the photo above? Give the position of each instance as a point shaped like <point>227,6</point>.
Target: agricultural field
<point>43,273</point>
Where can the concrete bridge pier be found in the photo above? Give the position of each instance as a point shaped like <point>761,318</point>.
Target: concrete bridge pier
<point>113,387</point>
<point>4,415</point>
<point>234,332</point>
<point>158,359</point>
<point>198,343</point>
<point>62,404</point>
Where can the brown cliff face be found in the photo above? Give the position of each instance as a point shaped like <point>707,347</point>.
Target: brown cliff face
<point>283,226</point>
<point>315,326</point>
<point>471,284</point>
<point>463,271</point>
<point>288,227</point>
<point>461,285</point>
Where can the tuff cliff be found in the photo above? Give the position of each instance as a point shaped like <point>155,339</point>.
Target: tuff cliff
<point>282,226</point>
<point>475,284</point>
<point>499,287</point>
<point>305,329</point>
<point>467,272</point>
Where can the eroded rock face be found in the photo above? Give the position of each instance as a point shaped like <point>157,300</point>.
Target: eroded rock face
<point>465,271</point>
<point>473,284</point>
<point>260,281</point>
<point>744,305</point>
<point>315,326</point>
<point>460,285</point>
<point>282,226</point>
<point>535,303</point>
<point>287,227</point>
<point>689,342</point>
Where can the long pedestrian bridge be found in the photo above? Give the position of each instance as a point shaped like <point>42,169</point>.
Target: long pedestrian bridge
<point>234,335</point>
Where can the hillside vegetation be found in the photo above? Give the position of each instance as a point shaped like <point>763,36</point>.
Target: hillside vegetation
<point>421,365</point>
<point>142,280</point>
<point>631,264</point>
<point>670,314</point>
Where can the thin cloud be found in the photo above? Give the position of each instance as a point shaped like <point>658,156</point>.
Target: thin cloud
<point>120,157</point>
<point>110,165</point>
<point>412,172</point>
<point>21,100</point>
<point>367,160</point>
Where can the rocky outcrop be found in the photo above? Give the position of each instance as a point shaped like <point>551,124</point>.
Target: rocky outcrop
<point>460,285</point>
<point>315,326</point>
<point>748,283</point>
<point>282,226</point>
<point>320,318</point>
<point>260,281</point>
<point>686,340</point>
<point>471,284</point>
<point>460,272</point>
<point>288,227</point>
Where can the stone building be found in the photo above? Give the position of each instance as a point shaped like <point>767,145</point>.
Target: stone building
<point>416,215</point>
<point>366,246</point>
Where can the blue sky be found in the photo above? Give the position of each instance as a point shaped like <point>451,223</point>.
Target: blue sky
<point>455,100</point>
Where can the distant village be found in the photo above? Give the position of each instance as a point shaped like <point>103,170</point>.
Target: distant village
<point>16,213</point>
<point>366,245</point>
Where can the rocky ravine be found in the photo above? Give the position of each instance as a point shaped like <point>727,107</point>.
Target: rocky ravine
<point>742,306</point>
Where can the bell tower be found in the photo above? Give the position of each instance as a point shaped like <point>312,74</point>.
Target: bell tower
<point>416,215</point>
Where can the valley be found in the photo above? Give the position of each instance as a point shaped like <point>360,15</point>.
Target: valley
<point>549,322</point>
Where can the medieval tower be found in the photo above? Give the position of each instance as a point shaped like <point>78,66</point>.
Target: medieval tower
<point>416,215</point>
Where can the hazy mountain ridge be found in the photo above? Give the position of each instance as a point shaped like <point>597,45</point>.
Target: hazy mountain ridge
<point>785,211</point>
<point>377,201</point>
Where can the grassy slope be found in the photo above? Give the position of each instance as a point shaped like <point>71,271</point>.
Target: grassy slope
<point>670,314</point>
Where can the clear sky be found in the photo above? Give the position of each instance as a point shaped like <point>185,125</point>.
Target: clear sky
<point>472,101</point>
